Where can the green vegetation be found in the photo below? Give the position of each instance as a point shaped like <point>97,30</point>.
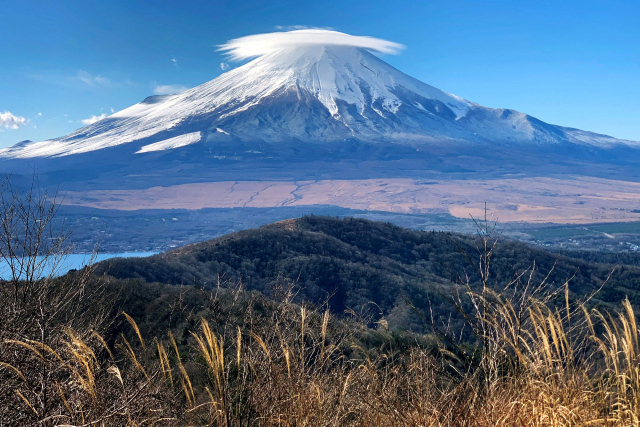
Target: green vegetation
<point>617,227</point>
<point>573,231</point>
<point>560,232</point>
<point>352,263</point>
<point>528,348</point>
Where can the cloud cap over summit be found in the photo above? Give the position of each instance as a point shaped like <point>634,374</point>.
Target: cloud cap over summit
<point>263,44</point>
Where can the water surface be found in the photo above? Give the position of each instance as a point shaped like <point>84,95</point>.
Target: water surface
<point>74,261</point>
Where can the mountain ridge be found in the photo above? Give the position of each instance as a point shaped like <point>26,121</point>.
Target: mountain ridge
<point>353,262</point>
<point>310,94</point>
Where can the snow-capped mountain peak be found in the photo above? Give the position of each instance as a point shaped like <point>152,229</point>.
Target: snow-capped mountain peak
<point>310,93</point>
<point>333,73</point>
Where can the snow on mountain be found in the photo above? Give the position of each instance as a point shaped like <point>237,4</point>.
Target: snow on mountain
<point>309,93</point>
<point>175,142</point>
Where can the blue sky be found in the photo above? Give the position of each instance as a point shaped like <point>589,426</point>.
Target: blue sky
<point>573,63</point>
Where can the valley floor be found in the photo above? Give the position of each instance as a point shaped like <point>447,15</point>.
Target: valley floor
<point>563,200</point>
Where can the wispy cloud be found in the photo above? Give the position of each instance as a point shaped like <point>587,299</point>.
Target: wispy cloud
<point>263,44</point>
<point>175,61</point>
<point>169,89</point>
<point>11,121</point>
<point>92,80</point>
<point>80,79</point>
<point>39,115</point>
<point>93,119</point>
<point>224,66</point>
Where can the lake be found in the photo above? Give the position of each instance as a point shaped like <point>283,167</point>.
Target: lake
<point>76,261</point>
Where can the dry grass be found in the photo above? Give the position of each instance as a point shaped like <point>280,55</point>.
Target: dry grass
<point>296,373</point>
<point>538,357</point>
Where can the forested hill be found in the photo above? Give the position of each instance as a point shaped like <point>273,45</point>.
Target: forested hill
<point>355,262</point>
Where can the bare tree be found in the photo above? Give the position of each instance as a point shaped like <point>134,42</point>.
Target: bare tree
<point>37,306</point>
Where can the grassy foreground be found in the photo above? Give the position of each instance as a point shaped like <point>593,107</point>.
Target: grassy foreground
<point>283,364</point>
<point>71,355</point>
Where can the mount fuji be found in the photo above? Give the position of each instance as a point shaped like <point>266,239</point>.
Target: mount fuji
<point>307,102</point>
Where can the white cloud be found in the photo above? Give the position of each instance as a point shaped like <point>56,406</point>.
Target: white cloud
<point>10,121</point>
<point>93,119</point>
<point>224,66</point>
<point>169,89</point>
<point>112,110</point>
<point>39,115</point>
<point>175,61</point>
<point>262,44</point>
<point>92,80</point>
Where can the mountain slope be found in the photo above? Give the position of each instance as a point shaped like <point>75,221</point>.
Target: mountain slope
<point>320,94</point>
<point>353,263</point>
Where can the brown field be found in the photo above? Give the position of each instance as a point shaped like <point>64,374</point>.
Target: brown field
<point>575,199</point>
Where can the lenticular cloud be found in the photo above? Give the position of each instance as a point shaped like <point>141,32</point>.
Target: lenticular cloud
<point>262,44</point>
